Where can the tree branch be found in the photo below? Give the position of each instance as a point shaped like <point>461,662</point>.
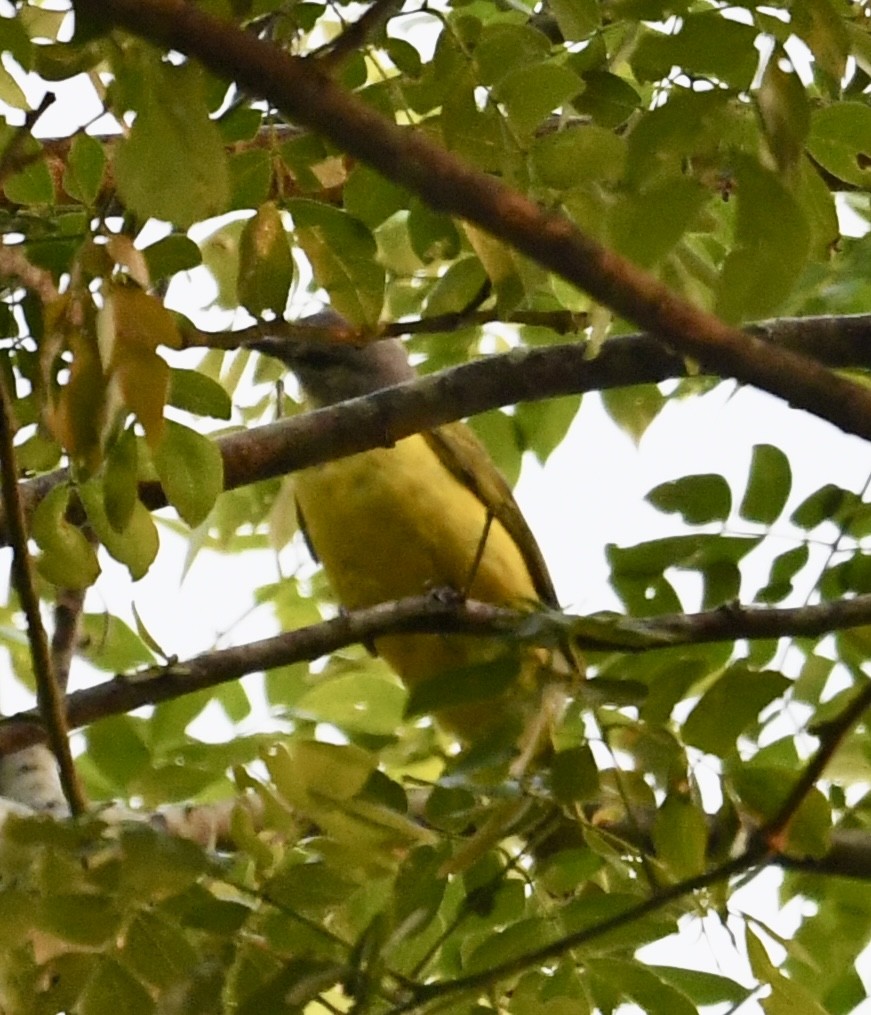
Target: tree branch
<point>48,693</point>
<point>522,375</point>
<point>307,96</point>
<point>432,615</point>
<point>836,340</point>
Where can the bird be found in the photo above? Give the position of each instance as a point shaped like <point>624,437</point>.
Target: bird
<point>431,512</point>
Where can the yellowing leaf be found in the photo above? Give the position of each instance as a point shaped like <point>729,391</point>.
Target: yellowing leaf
<point>134,324</point>
<point>76,416</point>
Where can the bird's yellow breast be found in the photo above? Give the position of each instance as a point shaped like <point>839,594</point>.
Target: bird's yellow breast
<point>395,522</point>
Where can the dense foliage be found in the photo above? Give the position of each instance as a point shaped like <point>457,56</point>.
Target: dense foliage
<point>375,867</point>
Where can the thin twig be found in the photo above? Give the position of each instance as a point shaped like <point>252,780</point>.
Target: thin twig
<point>476,982</point>
<point>14,158</point>
<point>14,264</point>
<point>49,698</point>
<point>832,735</point>
<point>355,36</point>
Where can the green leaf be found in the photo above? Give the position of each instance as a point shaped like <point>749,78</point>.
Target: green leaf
<point>116,747</point>
<point>197,393</point>
<point>371,198</point>
<point>121,481</point>
<point>828,503</point>
<point>433,236</point>
<point>456,288</point>
<point>109,982</point>
<point>823,27</point>
<point>707,44</point>
<point>577,155</point>
<point>530,94</point>
<point>640,984</point>
<point>574,775</point>
<point>702,987</point>
<point>502,48</point>
<point>250,178</point>
<point>156,950</point>
<point>729,706</point>
<point>170,255</point>
<point>577,19</point>
<point>787,997</point>
<point>265,263</point>
<point>840,140</point>
<point>633,409</point>
<point>135,545</point>
<point>589,912</point>
<point>809,831</point>
<point>80,918</point>
<point>172,165</point>
<point>357,702</point>
<point>543,425</point>
<point>463,686</point>
<point>680,837</point>
<point>785,113</point>
<point>772,245</point>
<point>191,471</point>
<point>111,645</point>
<point>31,185</point>
<point>639,229</point>
<point>520,938</point>
<point>768,485</point>
<point>607,98</point>
<point>342,252</point>
<point>698,499</point>
<point>83,175</point>
<point>68,559</point>
<point>306,767</point>
<point>784,568</point>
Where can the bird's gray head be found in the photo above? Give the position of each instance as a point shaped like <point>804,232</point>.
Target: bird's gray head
<point>333,371</point>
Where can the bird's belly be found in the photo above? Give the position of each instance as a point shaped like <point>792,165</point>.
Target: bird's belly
<point>395,522</point>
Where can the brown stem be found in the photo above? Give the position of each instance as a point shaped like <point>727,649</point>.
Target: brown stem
<point>49,698</point>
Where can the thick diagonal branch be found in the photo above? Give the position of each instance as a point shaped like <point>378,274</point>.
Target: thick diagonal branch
<point>406,156</point>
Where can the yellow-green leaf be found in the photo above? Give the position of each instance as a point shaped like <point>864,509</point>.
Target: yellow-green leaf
<point>68,560</point>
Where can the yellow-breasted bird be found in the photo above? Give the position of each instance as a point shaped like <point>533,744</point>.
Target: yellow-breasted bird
<point>430,512</point>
